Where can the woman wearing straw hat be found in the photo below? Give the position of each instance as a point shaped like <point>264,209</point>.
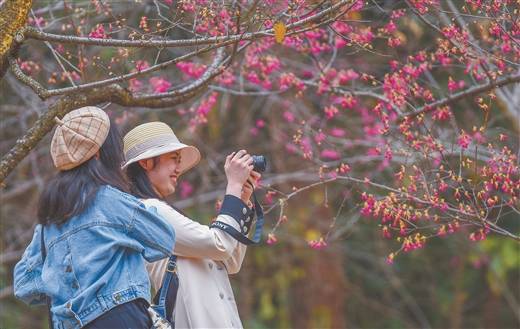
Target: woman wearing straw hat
<point>87,256</point>
<point>206,255</point>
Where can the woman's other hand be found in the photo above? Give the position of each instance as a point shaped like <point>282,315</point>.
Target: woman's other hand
<point>249,186</point>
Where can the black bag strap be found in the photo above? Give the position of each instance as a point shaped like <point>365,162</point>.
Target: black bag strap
<point>242,237</point>
<point>164,300</point>
<point>47,299</point>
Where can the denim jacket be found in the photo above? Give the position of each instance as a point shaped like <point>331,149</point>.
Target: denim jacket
<point>95,261</point>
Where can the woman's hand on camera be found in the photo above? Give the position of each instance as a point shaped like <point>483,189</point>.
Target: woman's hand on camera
<point>249,186</point>
<point>238,166</point>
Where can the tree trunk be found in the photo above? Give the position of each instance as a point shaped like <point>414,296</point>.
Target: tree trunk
<point>13,16</point>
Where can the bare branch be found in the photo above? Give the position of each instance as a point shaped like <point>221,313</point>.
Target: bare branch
<point>464,94</point>
<point>30,32</point>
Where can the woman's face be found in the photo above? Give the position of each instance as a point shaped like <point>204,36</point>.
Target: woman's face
<point>163,175</point>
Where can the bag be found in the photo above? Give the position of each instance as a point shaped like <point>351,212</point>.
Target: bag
<point>158,322</point>
<point>161,310</point>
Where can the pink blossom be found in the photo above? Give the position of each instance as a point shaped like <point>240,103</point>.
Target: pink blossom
<point>339,42</point>
<point>319,137</point>
<point>254,131</point>
<point>464,140</point>
<point>347,102</point>
<point>193,70</point>
<point>341,27</point>
<point>159,85</point>
<point>346,76</point>
<point>226,78</point>
<point>271,239</point>
<point>330,112</point>
<point>317,244</point>
<point>344,168</point>
<point>337,132</point>
<point>390,27</point>
<point>267,84</point>
<point>98,32</point>
<point>480,234</point>
<point>288,116</point>
<point>369,204</point>
<point>306,146</point>
<point>186,189</point>
<point>291,148</point>
<point>330,154</point>
<point>442,113</point>
<point>271,64</point>
<point>452,85</point>
<point>394,64</point>
<point>386,232</point>
<point>363,36</point>
<point>479,137</point>
<point>253,77</point>
<point>398,13</point>
<point>141,65</point>
<point>38,21</point>
<point>394,42</point>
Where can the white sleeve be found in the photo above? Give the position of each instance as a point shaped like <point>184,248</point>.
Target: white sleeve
<point>195,240</point>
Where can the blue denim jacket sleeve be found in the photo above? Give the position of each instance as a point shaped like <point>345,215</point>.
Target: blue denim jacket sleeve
<point>153,232</point>
<point>28,272</point>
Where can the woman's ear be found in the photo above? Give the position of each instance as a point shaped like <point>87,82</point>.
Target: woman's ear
<point>146,164</point>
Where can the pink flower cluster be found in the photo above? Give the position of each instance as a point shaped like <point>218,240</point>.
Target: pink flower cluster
<point>98,32</point>
<point>423,6</point>
<point>317,244</point>
<point>186,189</point>
<point>413,243</point>
<point>160,84</point>
<point>192,70</point>
<point>202,110</point>
<point>271,239</point>
<point>480,234</point>
<point>288,80</point>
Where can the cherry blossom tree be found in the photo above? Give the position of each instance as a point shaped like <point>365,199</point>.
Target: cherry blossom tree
<point>425,134</point>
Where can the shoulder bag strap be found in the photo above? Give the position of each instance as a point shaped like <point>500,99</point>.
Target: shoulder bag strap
<point>164,300</point>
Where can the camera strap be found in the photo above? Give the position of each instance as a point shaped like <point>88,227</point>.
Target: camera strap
<point>257,236</point>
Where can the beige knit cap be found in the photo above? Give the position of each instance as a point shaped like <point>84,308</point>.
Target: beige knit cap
<point>156,138</point>
<point>78,136</point>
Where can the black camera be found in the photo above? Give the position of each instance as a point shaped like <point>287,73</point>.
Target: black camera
<point>259,163</point>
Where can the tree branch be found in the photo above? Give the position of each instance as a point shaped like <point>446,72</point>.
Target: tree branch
<point>463,94</point>
<point>33,33</point>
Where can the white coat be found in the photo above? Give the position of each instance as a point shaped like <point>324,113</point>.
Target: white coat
<point>205,258</point>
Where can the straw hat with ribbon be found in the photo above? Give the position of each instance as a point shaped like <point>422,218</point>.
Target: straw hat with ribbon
<point>156,138</point>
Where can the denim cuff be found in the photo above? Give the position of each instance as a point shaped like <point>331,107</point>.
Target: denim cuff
<point>236,208</point>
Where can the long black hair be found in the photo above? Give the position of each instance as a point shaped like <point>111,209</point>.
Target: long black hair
<point>140,184</point>
<point>70,192</point>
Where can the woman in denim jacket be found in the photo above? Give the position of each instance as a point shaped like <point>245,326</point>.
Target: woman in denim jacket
<point>95,236</point>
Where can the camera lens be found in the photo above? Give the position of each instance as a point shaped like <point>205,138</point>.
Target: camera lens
<point>259,163</point>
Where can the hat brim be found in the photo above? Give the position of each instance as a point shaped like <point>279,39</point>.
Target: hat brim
<point>190,155</point>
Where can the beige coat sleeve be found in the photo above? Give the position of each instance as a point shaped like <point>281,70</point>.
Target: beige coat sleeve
<point>195,240</point>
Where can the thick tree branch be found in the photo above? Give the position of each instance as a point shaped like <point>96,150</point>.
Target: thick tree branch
<point>30,32</point>
<point>113,93</point>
